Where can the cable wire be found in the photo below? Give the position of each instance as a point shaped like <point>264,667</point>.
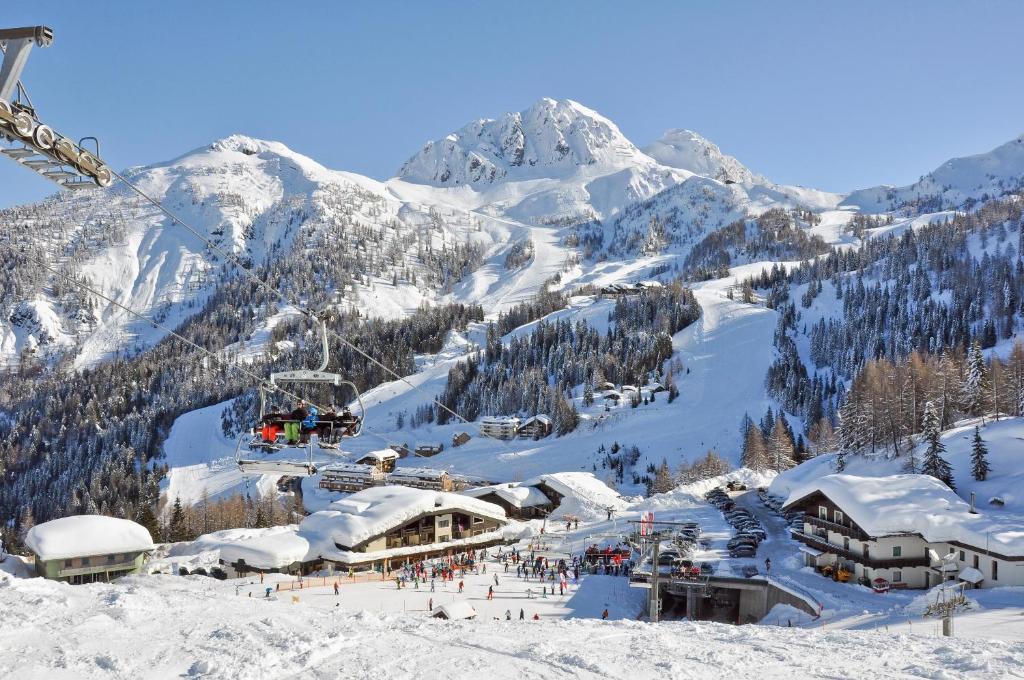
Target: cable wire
<point>285,298</point>
<point>155,324</point>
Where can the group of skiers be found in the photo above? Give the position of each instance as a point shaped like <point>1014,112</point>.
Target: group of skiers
<point>305,420</point>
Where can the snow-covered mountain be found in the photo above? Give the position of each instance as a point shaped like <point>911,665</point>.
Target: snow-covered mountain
<point>514,182</point>
<point>257,200</point>
<point>687,150</point>
<point>951,185</point>
<point>557,161</point>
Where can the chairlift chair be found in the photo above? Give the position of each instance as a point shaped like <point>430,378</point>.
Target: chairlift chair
<point>256,448</point>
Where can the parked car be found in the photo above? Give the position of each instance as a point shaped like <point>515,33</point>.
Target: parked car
<point>750,570</point>
<point>743,551</point>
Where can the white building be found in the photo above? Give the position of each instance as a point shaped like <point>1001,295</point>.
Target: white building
<point>909,530</point>
<point>421,478</point>
<point>500,427</point>
<point>349,477</point>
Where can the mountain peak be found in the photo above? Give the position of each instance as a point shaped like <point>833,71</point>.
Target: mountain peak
<point>551,138</point>
<point>687,150</point>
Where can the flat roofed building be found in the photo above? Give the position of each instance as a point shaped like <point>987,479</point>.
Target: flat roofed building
<point>422,478</point>
<point>88,548</point>
<point>499,427</point>
<point>350,477</point>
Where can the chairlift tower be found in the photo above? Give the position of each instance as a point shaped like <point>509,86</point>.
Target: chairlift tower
<point>24,138</point>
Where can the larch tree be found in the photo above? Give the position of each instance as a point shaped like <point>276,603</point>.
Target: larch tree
<point>781,446</point>
<point>755,450</point>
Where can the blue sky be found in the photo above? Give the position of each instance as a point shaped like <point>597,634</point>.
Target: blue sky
<point>832,95</point>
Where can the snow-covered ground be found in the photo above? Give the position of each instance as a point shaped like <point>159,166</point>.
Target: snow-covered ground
<point>171,626</point>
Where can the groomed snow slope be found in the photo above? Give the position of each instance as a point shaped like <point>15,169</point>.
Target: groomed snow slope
<point>172,627</point>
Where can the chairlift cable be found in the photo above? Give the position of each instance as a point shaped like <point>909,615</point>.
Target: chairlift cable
<point>283,297</point>
<point>155,324</point>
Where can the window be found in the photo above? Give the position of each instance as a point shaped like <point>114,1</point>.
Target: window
<point>975,561</point>
<point>111,559</point>
<point>846,543</point>
<point>478,520</point>
<point>897,551</point>
<point>85,561</point>
<point>952,550</point>
<point>995,570</point>
<point>443,523</point>
<point>839,516</point>
<point>897,576</point>
<point>68,563</point>
<point>822,512</point>
<point>962,556</point>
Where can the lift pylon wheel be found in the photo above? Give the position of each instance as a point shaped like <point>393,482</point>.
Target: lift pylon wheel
<point>44,137</point>
<point>23,124</point>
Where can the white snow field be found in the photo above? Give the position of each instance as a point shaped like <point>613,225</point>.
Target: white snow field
<point>171,626</point>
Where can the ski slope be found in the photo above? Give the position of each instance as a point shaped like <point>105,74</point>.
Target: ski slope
<point>725,353</point>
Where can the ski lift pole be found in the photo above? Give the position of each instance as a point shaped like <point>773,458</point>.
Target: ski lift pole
<point>654,601</point>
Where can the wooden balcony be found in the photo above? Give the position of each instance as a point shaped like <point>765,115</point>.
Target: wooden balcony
<point>840,529</point>
<point>858,557</point>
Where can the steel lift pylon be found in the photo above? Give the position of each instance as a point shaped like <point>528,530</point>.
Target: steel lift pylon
<point>24,138</point>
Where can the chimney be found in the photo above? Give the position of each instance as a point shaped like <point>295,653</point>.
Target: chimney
<point>973,511</point>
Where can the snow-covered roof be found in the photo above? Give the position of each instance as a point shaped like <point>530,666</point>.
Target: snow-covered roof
<point>523,496</point>
<point>516,495</point>
<point>583,493</point>
<point>453,611</point>
<point>375,511</point>
<point>381,455</point>
<point>917,504</point>
<point>428,445</point>
<point>539,418</point>
<point>349,468</point>
<point>417,473</point>
<point>501,420</point>
<point>271,548</point>
<point>83,535</point>
<point>971,575</point>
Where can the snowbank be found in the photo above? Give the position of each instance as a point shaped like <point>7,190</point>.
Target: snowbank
<point>82,535</point>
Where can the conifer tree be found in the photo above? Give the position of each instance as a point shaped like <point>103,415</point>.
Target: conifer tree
<point>176,528</point>
<point>979,457</point>
<point>663,482</point>
<point>934,464</point>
